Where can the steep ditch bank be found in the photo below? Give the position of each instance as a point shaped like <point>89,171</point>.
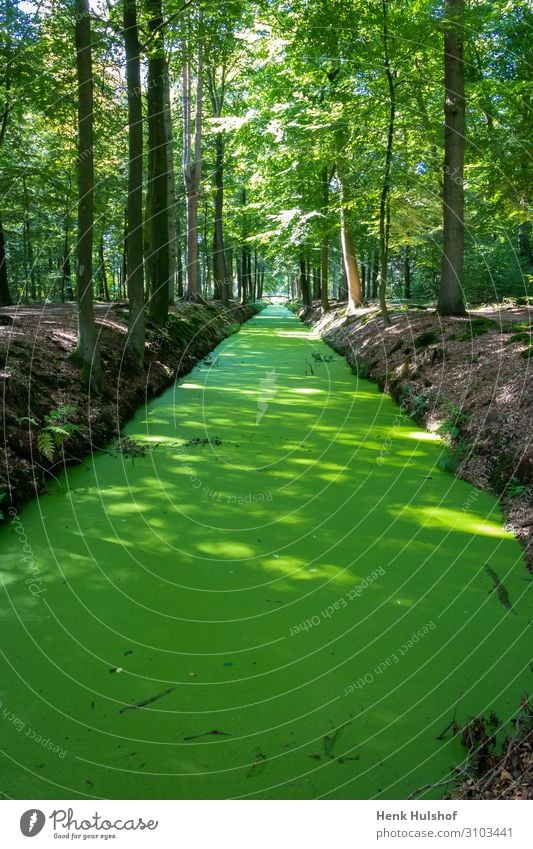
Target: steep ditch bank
<point>38,379</point>
<point>468,378</point>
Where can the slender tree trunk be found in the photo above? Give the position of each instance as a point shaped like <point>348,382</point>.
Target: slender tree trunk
<point>171,189</point>
<point>324,260</point>
<point>407,271</point>
<point>65,264</point>
<point>103,272</point>
<point>218,243</point>
<point>157,224</point>
<point>384,207</point>
<point>5,295</point>
<point>355,298</point>
<point>450,299</point>
<point>134,229</point>
<point>179,257</point>
<point>375,275</point>
<point>87,349</point>
<point>192,166</point>
<point>304,282</point>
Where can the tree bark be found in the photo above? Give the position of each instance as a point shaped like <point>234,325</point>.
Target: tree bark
<point>192,166</point>
<point>384,207</point>
<point>375,275</point>
<point>5,295</point>
<point>353,283</point>
<point>407,272</point>
<point>304,282</point>
<point>87,348</point>
<point>324,260</point>
<point>134,229</point>
<point>157,224</point>
<point>171,189</point>
<point>450,299</point>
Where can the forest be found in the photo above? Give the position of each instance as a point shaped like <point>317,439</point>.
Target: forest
<point>266,279</point>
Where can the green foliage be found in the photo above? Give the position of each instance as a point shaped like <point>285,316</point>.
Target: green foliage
<point>515,489</point>
<point>427,338</point>
<point>54,430</point>
<point>477,327</point>
<point>451,426</point>
<point>522,336</point>
<point>451,456</point>
<point>415,403</point>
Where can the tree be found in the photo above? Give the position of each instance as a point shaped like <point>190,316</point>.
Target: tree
<point>158,254</point>
<point>451,299</point>
<point>192,159</point>
<point>134,230</point>
<point>87,348</point>
<point>384,205</point>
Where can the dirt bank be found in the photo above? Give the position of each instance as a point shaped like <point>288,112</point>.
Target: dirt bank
<point>38,379</point>
<point>469,378</point>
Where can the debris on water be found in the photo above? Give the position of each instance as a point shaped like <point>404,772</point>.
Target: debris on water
<point>501,592</point>
<point>206,441</point>
<point>453,725</point>
<point>260,763</point>
<point>329,741</point>
<point>149,701</point>
<point>129,447</point>
<point>213,733</point>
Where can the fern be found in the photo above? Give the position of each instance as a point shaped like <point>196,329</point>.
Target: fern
<point>45,444</point>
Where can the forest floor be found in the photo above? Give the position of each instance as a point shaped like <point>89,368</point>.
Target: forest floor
<point>467,378</point>
<point>37,376</point>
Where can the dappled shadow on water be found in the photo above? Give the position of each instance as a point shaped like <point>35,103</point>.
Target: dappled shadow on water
<point>202,611</point>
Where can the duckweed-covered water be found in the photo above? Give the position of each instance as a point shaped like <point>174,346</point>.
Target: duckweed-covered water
<point>282,598</point>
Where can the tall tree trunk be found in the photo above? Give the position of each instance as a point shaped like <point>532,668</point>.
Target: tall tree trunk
<point>103,272</point>
<point>363,278</point>
<point>171,189</point>
<point>375,275</point>
<point>157,225</point>
<point>87,348</point>
<point>28,253</point>
<point>384,206</point>
<point>353,283</point>
<point>304,282</point>
<point>219,264</point>
<point>66,290</point>
<point>324,260</point>
<point>179,257</point>
<point>192,165</point>
<point>450,299</point>
<point>407,271</point>
<point>134,229</point>
<point>5,295</point>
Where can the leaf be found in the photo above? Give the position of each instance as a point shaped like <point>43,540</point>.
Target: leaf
<point>45,444</point>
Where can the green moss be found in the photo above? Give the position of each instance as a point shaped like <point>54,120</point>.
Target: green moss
<point>518,337</point>
<point>425,339</point>
<point>477,327</point>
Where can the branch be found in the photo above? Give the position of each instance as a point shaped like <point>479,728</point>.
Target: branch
<point>166,22</point>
